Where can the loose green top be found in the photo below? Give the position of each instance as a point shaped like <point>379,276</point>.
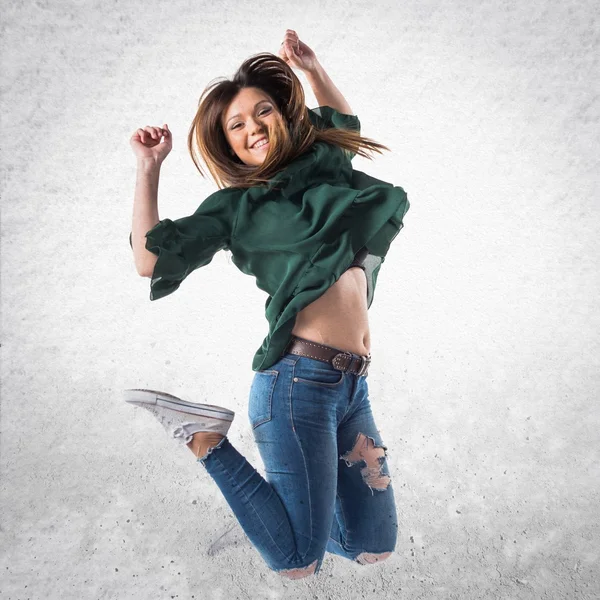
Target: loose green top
<point>296,236</point>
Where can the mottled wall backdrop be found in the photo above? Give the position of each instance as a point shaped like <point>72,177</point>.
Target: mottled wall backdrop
<point>485,328</point>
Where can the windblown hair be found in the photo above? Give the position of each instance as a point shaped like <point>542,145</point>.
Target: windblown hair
<point>273,76</point>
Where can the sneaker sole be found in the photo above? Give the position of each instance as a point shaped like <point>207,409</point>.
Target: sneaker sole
<point>154,397</point>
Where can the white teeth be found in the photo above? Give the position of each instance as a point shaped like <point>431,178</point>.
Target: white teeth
<point>261,143</point>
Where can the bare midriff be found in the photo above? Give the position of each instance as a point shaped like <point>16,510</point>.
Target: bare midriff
<point>339,317</point>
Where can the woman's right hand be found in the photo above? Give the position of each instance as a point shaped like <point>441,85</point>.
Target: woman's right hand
<point>146,143</point>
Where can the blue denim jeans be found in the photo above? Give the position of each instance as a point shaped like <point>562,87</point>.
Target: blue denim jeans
<point>327,484</point>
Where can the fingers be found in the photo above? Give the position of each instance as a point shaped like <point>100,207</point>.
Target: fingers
<point>152,132</point>
<point>291,37</point>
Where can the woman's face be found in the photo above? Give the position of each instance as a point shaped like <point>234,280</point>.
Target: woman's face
<point>245,122</point>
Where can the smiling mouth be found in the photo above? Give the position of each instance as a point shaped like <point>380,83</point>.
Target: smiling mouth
<point>261,146</point>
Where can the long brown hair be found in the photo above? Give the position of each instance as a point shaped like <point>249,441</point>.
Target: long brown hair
<point>273,76</point>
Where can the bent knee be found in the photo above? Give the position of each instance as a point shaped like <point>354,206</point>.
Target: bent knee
<point>299,573</point>
<point>368,558</point>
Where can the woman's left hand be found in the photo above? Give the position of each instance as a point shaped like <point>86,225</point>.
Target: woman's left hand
<point>296,53</point>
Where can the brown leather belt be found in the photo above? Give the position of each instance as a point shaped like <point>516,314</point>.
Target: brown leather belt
<point>339,359</point>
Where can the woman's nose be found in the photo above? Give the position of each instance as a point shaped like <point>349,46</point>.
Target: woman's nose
<point>256,126</point>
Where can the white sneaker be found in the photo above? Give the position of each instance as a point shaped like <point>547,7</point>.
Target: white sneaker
<point>181,418</point>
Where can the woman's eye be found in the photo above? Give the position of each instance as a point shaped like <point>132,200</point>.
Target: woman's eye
<point>264,110</point>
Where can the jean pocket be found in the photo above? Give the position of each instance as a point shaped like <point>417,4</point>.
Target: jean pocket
<point>310,373</point>
<point>261,397</point>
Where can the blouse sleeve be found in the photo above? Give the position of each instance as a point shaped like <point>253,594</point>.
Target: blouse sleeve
<point>325,117</point>
<point>185,244</point>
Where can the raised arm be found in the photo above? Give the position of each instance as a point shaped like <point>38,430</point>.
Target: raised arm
<point>325,90</point>
<point>145,214</point>
<point>298,55</point>
<point>150,153</point>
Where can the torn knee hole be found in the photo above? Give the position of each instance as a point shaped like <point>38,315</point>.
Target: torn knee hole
<point>373,457</point>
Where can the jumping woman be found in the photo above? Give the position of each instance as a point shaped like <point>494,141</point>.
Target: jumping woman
<point>314,233</point>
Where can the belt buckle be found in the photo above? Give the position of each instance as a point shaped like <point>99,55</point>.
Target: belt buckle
<point>365,361</point>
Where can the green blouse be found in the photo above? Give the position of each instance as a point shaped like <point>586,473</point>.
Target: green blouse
<point>296,236</point>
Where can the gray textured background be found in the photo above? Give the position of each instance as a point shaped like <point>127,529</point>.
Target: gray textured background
<point>485,324</point>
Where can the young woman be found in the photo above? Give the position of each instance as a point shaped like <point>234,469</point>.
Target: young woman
<point>314,232</point>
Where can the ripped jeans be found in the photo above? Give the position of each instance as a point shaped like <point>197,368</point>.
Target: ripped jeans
<point>327,484</point>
